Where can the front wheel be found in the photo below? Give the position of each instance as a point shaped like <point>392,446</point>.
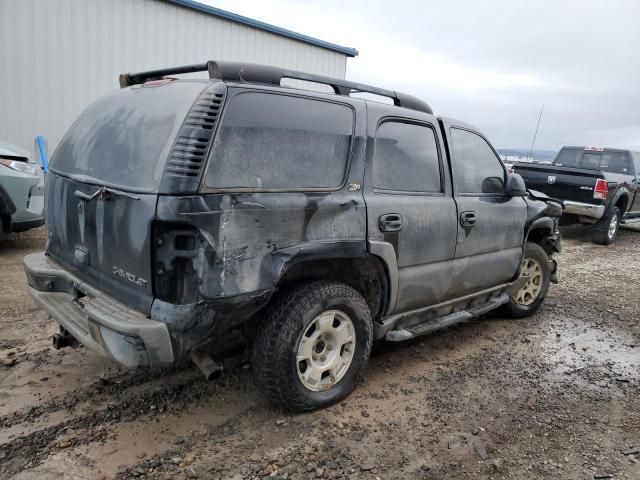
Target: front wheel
<point>528,299</point>
<point>312,346</point>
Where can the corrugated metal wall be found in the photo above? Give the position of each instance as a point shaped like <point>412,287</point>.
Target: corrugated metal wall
<point>56,56</point>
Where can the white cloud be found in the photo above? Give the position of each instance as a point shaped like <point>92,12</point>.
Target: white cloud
<point>490,63</point>
<point>379,51</point>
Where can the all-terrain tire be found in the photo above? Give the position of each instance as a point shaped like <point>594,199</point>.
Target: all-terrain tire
<point>606,230</point>
<point>533,253</point>
<point>275,342</point>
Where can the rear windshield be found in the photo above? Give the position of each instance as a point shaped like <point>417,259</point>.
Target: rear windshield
<point>606,161</point>
<point>280,142</point>
<point>124,138</point>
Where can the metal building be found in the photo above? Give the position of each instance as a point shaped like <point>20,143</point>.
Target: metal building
<point>58,56</point>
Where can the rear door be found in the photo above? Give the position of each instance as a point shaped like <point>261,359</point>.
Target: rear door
<point>409,203</point>
<point>101,191</point>
<point>490,223</point>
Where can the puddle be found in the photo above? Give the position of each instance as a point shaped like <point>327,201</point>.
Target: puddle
<point>597,355</point>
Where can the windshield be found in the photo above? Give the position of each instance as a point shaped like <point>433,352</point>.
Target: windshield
<point>123,139</point>
<point>606,160</point>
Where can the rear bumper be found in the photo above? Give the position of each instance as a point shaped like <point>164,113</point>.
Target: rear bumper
<point>99,322</point>
<point>27,224</point>
<point>584,209</point>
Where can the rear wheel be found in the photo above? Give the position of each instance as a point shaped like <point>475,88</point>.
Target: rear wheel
<point>312,346</point>
<point>535,266</point>
<point>606,229</point>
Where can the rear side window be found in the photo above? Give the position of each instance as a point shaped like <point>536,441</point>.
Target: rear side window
<point>477,168</point>
<point>406,158</point>
<point>279,142</point>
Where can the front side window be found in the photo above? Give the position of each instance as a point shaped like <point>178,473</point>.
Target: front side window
<point>280,142</point>
<point>477,169</point>
<point>406,158</point>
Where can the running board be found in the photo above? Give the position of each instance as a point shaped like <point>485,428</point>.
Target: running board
<point>446,321</point>
<point>630,221</point>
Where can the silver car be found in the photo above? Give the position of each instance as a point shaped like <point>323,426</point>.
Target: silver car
<point>21,190</point>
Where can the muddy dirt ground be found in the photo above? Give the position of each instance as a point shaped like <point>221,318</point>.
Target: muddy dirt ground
<point>553,396</point>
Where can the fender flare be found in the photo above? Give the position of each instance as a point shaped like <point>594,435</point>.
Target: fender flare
<point>387,255</point>
<point>383,256</point>
<point>622,191</point>
<point>543,223</point>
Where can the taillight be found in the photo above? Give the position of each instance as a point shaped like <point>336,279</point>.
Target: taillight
<point>601,191</point>
<point>176,257</point>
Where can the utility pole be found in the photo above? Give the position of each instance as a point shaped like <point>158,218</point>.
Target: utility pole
<point>535,134</point>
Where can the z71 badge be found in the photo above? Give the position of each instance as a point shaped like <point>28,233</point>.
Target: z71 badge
<point>141,282</point>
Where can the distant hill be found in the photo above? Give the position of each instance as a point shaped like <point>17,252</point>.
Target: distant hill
<point>523,153</point>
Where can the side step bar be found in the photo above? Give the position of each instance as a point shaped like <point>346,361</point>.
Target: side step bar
<point>630,221</point>
<point>446,321</point>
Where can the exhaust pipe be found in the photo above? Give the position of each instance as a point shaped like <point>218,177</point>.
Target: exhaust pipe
<point>205,363</point>
<point>62,340</point>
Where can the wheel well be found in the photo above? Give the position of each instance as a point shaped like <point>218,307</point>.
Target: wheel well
<point>5,223</point>
<point>536,235</point>
<point>622,203</point>
<point>365,274</point>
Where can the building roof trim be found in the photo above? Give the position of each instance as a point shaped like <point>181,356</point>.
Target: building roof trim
<point>234,17</point>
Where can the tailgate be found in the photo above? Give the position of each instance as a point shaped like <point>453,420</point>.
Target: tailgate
<point>104,240</point>
<point>561,182</point>
<point>101,189</point>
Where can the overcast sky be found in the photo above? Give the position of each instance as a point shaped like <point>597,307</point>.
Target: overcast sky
<point>491,63</point>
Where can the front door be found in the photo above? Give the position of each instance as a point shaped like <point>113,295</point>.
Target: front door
<point>490,223</point>
<point>410,205</point>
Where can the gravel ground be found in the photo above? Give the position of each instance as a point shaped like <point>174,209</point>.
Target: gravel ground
<point>553,396</point>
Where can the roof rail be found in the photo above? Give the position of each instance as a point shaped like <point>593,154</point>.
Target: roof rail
<point>265,74</point>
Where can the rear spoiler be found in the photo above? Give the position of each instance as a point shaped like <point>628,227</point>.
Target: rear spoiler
<point>269,75</point>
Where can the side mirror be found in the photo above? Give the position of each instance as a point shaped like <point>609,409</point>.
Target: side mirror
<point>516,186</point>
<point>493,185</point>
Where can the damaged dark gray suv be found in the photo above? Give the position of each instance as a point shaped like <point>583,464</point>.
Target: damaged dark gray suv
<point>179,211</point>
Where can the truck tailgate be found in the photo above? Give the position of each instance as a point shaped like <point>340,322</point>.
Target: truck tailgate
<point>565,183</point>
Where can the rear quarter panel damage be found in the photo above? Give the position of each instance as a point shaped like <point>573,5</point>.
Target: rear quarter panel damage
<point>245,242</point>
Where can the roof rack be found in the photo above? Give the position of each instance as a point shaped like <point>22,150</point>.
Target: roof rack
<point>265,74</point>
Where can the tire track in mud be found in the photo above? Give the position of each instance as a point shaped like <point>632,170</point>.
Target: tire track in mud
<point>115,385</point>
<point>162,461</point>
<point>29,450</point>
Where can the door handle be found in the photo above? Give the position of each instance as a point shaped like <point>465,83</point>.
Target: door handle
<point>468,219</point>
<point>390,222</point>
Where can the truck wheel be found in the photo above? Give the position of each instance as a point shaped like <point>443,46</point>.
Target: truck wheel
<point>527,300</point>
<point>606,229</point>
<point>312,345</point>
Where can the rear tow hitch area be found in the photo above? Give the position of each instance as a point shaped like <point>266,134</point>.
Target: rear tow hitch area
<point>64,339</point>
<point>210,369</point>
